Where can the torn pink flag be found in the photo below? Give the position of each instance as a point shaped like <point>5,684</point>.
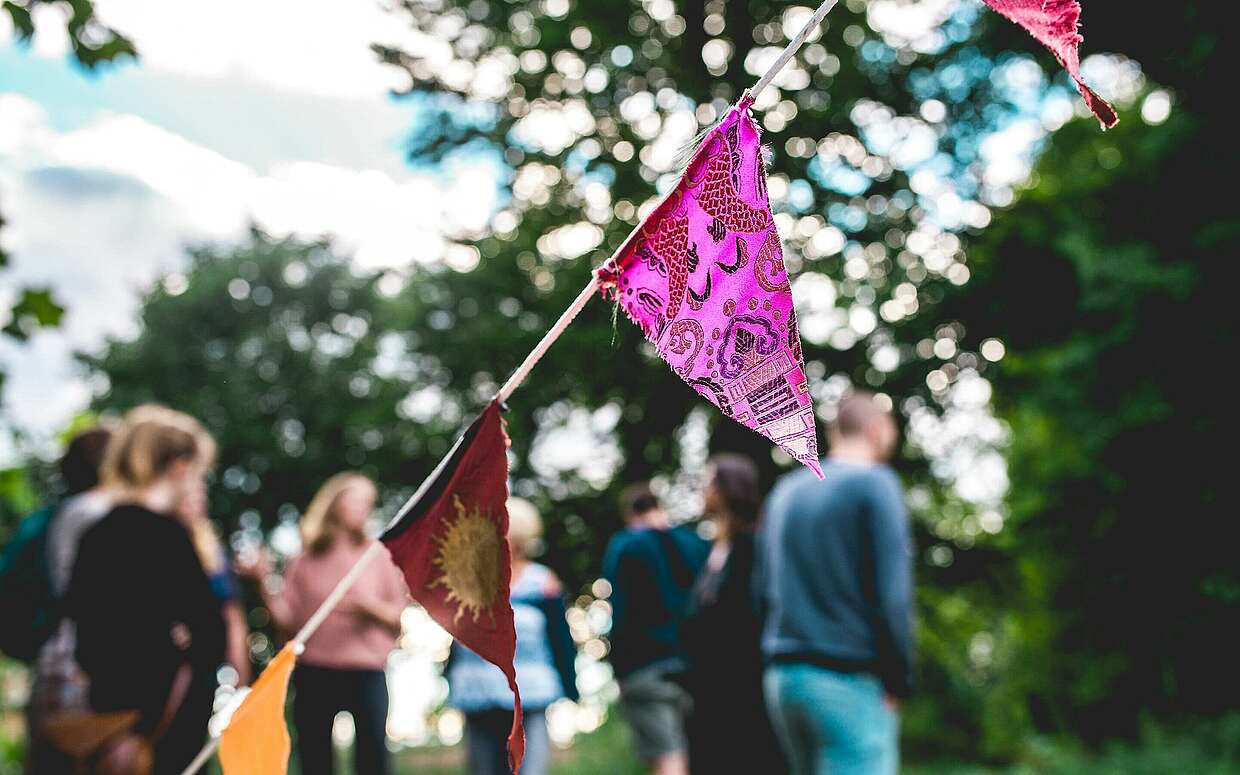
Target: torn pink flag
<point>1053,23</point>
<point>704,278</point>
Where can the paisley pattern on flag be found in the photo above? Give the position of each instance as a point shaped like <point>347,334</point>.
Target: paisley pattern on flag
<point>704,278</point>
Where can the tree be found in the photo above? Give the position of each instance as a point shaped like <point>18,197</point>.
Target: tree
<point>1109,282</point>
<point>1029,629</point>
<point>284,353</point>
<point>876,179</point>
<point>584,100</point>
<point>93,42</point>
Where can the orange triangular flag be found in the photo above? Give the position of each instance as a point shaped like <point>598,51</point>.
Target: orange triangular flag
<point>256,741</point>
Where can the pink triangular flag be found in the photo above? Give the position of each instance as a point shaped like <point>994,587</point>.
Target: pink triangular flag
<point>1053,23</point>
<point>704,278</point>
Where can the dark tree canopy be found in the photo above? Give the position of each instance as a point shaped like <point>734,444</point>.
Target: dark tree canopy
<point>93,42</point>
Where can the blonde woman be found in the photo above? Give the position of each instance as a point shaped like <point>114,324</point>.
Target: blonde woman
<point>342,668</point>
<point>149,632</point>
<point>544,660</point>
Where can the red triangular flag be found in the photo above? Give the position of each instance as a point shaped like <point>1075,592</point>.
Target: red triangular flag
<point>704,278</point>
<point>451,543</point>
<point>1053,23</point>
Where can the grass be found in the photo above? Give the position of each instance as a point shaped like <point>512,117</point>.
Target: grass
<point>1205,747</point>
<point>606,751</point>
<point>1208,747</point>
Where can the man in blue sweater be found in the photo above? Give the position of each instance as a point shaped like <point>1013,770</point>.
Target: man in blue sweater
<point>834,580</point>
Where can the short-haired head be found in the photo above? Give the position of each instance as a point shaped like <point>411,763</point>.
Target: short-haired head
<point>79,466</point>
<point>525,527</point>
<point>864,420</point>
<point>639,502</point>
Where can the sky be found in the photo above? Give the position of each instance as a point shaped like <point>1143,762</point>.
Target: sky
<point>285,121</point>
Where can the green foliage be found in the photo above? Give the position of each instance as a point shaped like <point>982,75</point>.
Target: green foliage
<point>93,42</point>
<point>277,347</point>
<point>1106,281</point>
<point>35,307</point>
<point>17,499</point>
<point>832,175</point>
<point>1099,603</point>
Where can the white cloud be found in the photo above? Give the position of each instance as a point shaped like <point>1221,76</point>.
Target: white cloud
<point>100,212</point>
<point>320,47</point>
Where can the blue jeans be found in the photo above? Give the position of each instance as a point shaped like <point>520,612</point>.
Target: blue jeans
<point>832,723</point>
<point>486,740</point>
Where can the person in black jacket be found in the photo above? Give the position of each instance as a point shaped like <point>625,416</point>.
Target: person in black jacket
<point>651,567</point>
<point>728,729</point>
<point>150,635</point>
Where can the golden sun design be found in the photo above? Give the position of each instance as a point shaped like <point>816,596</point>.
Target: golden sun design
<point>469,560</point>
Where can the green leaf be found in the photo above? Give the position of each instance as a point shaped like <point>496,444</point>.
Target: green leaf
<point>23,25</point>
<point>35,308</point>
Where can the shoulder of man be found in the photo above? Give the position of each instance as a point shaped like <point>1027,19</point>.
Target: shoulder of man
<point>884,476</point>
<point>629,541</point>
<point>789,485</point>
<point>690,540</point>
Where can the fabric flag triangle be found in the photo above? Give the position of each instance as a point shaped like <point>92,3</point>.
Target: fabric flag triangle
<point>451,543</point>
<point>1054,23</point>
<point>704,279</point>
<point>256,740</point>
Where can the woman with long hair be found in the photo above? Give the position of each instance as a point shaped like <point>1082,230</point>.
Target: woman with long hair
<point>728,730</point>
<point>342,668</point>
<point>149,632</point>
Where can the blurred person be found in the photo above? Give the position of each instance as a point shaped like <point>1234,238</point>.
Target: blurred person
<point>87,501</point>
<point>651,568</point>
<point>544,661</point>
<point>342,667</point>
<point>834,580</point>
<point>193,513</point>
<point>728,728</point>
<point>56,681</point>
<point>149,633</point>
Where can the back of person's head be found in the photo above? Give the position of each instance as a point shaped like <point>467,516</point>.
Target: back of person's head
<point>79,466</point>
<point>736,493</point>
<point>321,522</point>
<point>149,441</point>
<point>861,416</point>
<point>525,527</point>
<point>638,501</point>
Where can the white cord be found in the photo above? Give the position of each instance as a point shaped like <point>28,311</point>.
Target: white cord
<point>548,339</point>
<point>587,293</point>
<point>791,49</point>
<point>201,758</point>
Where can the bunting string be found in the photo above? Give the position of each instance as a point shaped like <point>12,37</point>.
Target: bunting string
<point>207,751</point>
<point>591,288</point>
<point>510,386</point>
<point>791,49</point>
